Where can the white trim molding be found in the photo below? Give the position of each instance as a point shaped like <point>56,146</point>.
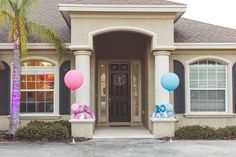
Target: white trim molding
<point>209,115</point>
<point>40,117</point>
<point>122,8</point>
<point>164,48</point>
<point>220,59</point>
<point>67,9</point>
<point>161,53</point>
<point>31,46</point>
<point>205,46</point>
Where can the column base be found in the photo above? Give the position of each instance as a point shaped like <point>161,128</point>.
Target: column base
<point>82,128</point>
<point>163,127</point>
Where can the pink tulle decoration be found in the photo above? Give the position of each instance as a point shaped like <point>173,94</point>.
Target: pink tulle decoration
<point>82,112</point>
<point>75,108</point>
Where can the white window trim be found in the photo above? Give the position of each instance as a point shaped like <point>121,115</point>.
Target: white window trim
<point>228,93</point>
<point>56,88</point>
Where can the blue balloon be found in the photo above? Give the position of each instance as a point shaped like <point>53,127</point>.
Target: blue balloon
<point>170,81</point>
<point>169,108</point>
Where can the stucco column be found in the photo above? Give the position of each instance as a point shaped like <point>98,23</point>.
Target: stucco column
<point>82,63</point>
<point>161,67</point>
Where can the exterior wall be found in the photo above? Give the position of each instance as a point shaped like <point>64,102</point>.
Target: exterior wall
<point>85,25</point>
<point>214,120</point>
<point>49,55</point>
<point>4,125</point>
<point>182,55</point>
<point>145,72</point>
<point>93,82</point>
<point>151,86</point>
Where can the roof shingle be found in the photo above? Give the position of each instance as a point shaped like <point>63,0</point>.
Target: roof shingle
<point>191,31</point>
<point>186,31</point>
<point>46,12</point>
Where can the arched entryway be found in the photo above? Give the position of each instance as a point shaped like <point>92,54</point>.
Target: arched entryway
<point>122,61</point>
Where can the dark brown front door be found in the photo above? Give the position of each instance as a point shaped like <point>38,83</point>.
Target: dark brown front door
<point>119,92</point>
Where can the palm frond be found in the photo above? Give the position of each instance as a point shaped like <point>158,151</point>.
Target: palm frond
<point>47,34</point>
<point>13,27</point>
<point>23,39</point>
<point>3,3</point>
<point>6,16</point>
<point>26,5</point>
<point>13,6</point>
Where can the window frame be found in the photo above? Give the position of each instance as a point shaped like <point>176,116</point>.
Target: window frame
<point>228,94</point>
<point>56,88</point>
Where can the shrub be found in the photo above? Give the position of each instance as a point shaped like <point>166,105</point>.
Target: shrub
<point>196,132</point>
<point>39,130</point>
<point>228,132</point>
<point>64,123</point>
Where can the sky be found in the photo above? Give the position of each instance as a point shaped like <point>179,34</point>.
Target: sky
<point>219,12</point>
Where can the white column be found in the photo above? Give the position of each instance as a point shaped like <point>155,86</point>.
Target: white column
<point>82,63</point>
<point>161,67</point>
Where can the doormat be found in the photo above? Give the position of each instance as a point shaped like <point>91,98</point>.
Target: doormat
<point>119,126</point>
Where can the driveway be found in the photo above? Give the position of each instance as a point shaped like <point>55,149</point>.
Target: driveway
<point>121,148</point>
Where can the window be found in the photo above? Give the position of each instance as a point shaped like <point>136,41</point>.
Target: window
<point>37,87</point>
<point>208,86</point>
<point>103,92</point>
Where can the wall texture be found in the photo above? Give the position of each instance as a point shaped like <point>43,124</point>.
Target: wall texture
<point>214,120</point>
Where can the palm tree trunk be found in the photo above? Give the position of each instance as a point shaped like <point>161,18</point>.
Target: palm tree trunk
<point>15,92</point>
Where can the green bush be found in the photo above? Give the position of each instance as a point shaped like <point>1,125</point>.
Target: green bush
<point>39,130</point>
<point>205,132</point>
<point>64,123</point>
<point>228,132</point>
<point>196,132</point>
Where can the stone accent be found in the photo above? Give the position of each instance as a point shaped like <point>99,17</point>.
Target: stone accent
<point>82,128</point>
<point>163,127</point>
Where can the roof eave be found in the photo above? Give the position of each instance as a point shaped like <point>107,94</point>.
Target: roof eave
<point>66,8</point>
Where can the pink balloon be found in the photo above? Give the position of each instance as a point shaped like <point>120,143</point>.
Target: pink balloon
<point>73,79</point>
<point>74,108</point>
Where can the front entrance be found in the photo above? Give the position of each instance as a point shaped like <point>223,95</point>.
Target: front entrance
<point>120,58</point>
<point>119,92</point>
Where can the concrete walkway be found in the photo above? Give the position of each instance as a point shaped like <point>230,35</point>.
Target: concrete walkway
<point>121,148</point>
<point>121,132</point>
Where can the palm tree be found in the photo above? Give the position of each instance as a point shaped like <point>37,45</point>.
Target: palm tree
<point>15,14</point>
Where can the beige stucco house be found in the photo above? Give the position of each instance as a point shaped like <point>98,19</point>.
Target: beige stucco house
<point>123,47</point>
